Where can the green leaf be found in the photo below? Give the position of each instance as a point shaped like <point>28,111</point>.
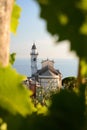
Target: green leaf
<point>83,68</point>
<point>12,58</point>
<point>66,112</point>
<point>14,97</point>
<point>67,19</point>
<point>15,17</point>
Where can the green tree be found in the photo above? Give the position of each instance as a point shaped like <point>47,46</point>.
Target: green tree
<point>67,110</point>
<point>12,92</point>
<point>69,83</point>
<point>67,19</point>
<point>5,18</point>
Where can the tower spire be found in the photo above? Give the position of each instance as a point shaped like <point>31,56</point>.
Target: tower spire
<point>33,46</point>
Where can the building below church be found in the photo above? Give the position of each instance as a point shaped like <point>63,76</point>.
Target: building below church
<point>47,78</point>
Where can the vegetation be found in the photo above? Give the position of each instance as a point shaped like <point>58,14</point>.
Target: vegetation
<point>67,20</point>
<point>68,109</point>
<point>69,83</point>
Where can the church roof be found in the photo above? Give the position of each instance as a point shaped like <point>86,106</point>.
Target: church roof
<point>48,71</point>
<point>34,46</point>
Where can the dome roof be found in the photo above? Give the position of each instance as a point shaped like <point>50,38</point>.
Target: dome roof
<point>34,46</point>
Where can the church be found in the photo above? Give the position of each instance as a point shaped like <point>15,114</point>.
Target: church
<point>48,78</point>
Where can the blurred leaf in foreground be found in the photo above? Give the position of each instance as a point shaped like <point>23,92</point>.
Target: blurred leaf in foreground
<point>15,17</point>
<point>14,97</point>
<point>67,19</point>
<point>67,112</point>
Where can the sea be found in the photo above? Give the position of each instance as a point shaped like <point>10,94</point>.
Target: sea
<point>68,67</point>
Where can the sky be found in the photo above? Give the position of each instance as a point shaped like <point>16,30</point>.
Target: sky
<point>32,29</point>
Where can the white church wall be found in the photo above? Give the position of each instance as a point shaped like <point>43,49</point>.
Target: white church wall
<point>49,84</point>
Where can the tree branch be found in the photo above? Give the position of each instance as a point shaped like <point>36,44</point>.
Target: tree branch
<point>5,19</point>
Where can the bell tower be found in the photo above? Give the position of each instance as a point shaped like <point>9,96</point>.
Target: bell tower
<point>34,55</point>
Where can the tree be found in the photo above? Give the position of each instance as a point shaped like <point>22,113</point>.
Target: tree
<point>69,83</point>
<point>5,19</point>
<point>67,107</point>
<point>68,20</point>
<point>10,80</point>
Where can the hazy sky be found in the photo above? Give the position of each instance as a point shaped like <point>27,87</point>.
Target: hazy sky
<point>33,29</point>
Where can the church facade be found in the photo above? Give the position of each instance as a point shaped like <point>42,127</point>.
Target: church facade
<point>48,78</point>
